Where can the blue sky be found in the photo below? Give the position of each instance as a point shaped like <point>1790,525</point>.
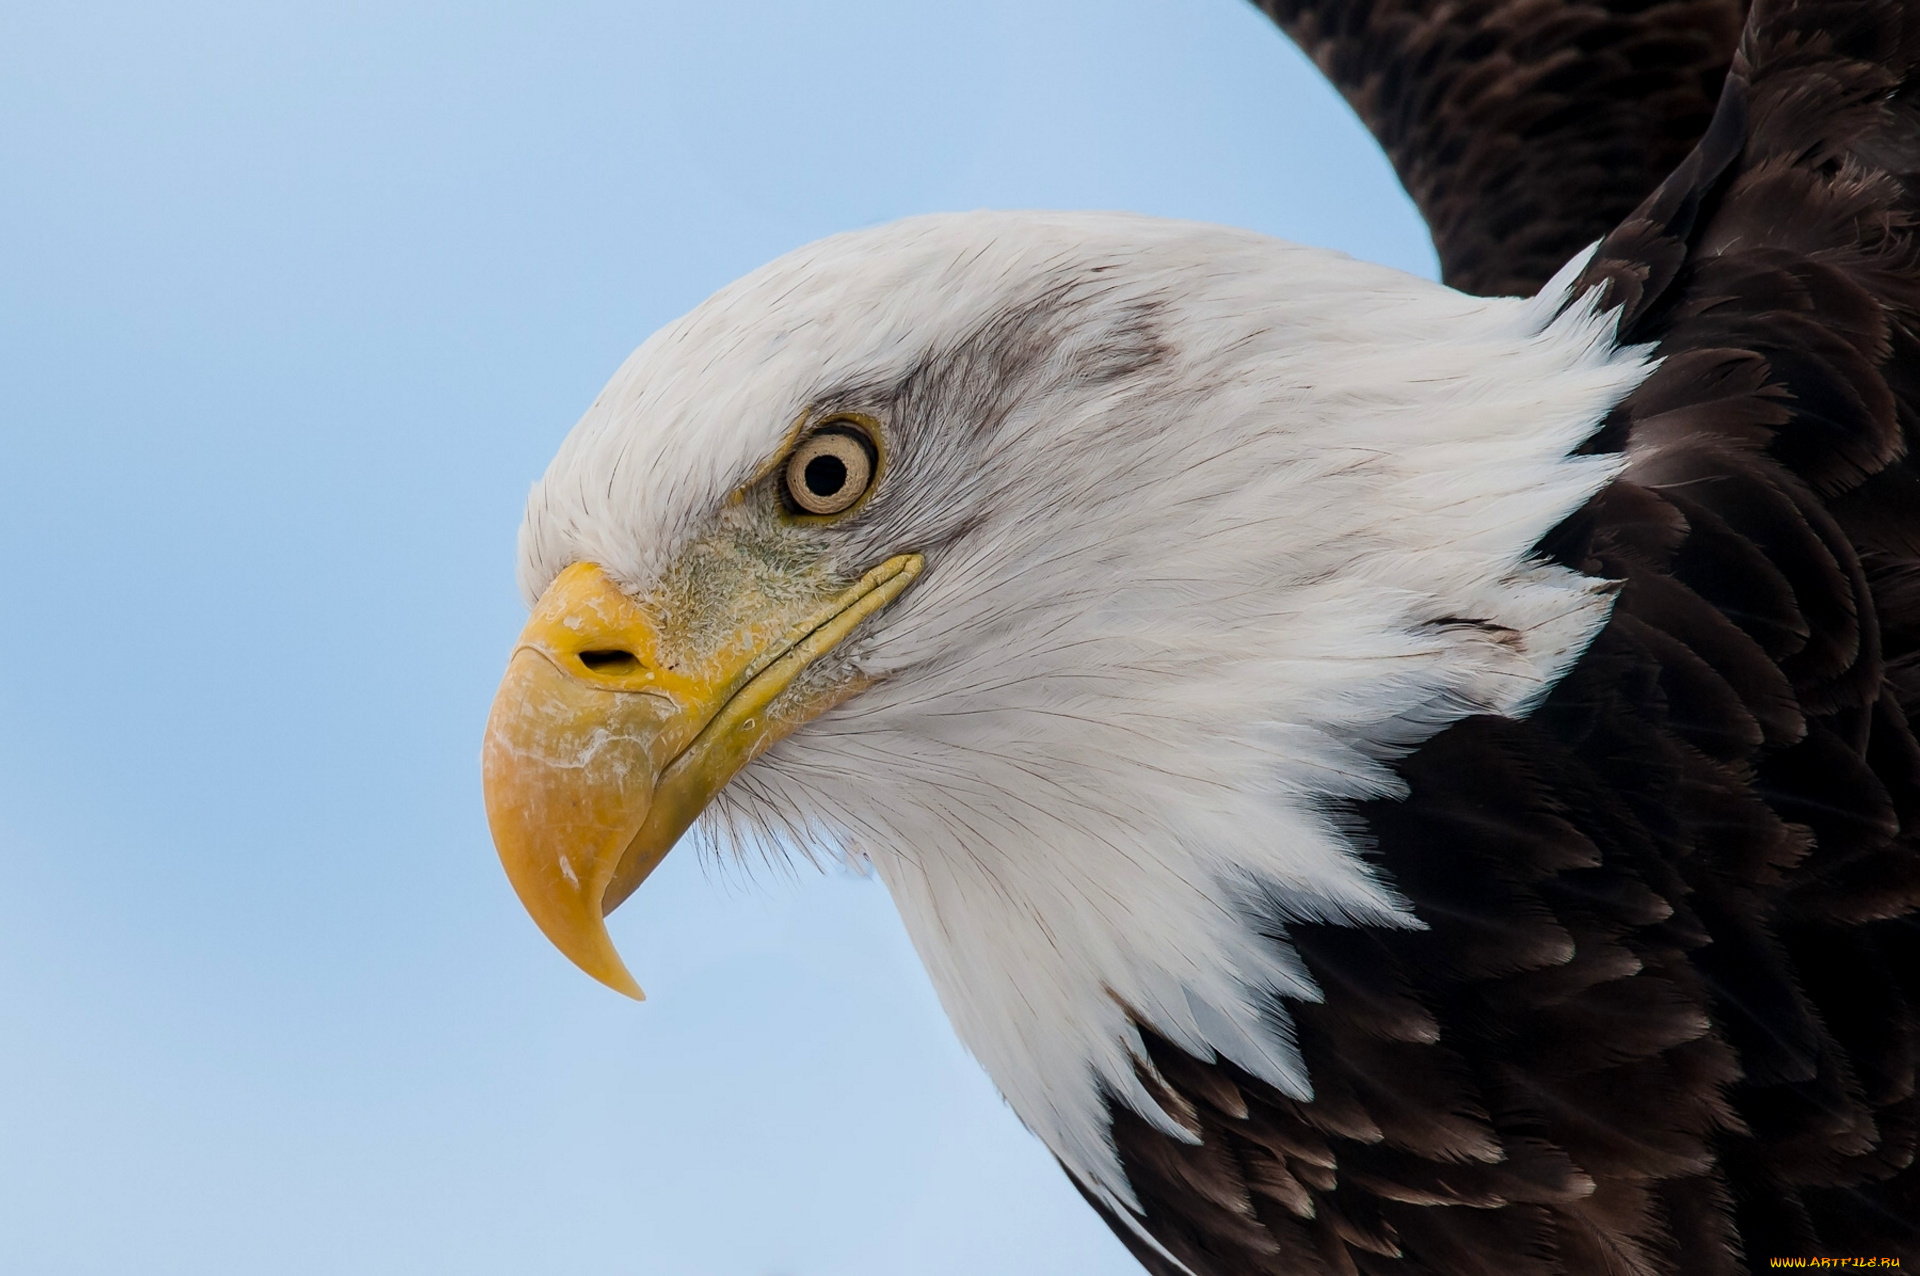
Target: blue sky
<point>295,302</point>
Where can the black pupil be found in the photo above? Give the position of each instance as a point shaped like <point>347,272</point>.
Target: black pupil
<point>825,475</point>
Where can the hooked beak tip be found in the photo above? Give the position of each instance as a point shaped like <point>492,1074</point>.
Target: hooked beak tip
<point>621,982</point>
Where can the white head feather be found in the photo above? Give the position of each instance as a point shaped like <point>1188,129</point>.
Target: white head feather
<point>1215,527</point>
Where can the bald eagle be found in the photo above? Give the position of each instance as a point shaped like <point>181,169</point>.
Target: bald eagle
<point>1386,777</point>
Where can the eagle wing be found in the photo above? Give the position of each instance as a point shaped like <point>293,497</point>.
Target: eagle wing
<point>1663,1018</point>
<point>1523,129</point>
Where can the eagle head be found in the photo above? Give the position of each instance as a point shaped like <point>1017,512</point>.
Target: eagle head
<point>1076,572</point>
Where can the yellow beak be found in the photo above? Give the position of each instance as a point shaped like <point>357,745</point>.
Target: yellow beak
<point>604,746</point>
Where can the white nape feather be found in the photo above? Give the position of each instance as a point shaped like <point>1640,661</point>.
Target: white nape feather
<point>1179,605</point>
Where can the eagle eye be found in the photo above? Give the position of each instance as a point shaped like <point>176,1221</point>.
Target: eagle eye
<point>831,469</point>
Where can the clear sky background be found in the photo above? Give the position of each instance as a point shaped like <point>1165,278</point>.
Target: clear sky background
<point>295,303</point>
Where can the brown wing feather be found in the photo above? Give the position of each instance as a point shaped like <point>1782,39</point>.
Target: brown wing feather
<point>1523,129</point>
<point>1666,1018</point>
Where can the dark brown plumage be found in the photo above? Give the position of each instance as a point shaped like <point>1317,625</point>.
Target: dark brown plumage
<point>1665,1016</point>
<point>1523,129</point>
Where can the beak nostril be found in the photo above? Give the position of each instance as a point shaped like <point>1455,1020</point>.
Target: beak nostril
<point>614,661</point>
